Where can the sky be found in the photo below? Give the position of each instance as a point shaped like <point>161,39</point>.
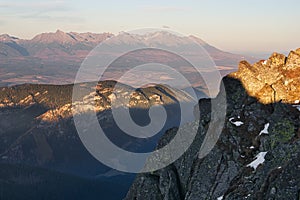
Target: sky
<point>231,25</point>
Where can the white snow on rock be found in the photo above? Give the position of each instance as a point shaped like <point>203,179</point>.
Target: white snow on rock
<point>237,123</point>
<point>265,62</point>
<point>4,157</point>
<point>252,147</point>
<point>260,158</point>
<point>265,130</point>
<point>220,198</point>
<point>297,106</point>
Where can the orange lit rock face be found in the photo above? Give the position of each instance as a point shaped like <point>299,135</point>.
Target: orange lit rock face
<point>273,80</point>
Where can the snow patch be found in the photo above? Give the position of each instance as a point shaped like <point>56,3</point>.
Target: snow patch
<point>265,130</point>
<point>297,106</point>
<point>4,157</point>
<point>237,123</point>
<point>220,198</point>
<point>265,62</point>
<point>252,147</point>
<point>260,158</point>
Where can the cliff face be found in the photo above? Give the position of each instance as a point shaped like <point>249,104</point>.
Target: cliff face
<point>258,153</point>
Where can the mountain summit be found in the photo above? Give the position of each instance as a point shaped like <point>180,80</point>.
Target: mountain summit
<point>69,38</point>
<point>8,38</point>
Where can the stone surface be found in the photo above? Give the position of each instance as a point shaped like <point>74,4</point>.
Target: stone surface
<point>273,80</point>
<point>225,171</point>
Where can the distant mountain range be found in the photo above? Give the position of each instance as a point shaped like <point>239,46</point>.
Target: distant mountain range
<point>47,45</point>
<point>39,59</point>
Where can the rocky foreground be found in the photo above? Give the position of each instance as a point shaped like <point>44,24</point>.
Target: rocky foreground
<point>258,153</point>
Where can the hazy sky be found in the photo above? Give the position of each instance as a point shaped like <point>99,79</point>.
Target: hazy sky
<point>233,25</point>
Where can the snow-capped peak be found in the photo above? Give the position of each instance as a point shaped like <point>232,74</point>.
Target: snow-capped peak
<point>157,38</point>
<point>8,38</point>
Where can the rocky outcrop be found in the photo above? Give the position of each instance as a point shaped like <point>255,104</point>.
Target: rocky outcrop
<point>258,153</point>
<point>273,80</point>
